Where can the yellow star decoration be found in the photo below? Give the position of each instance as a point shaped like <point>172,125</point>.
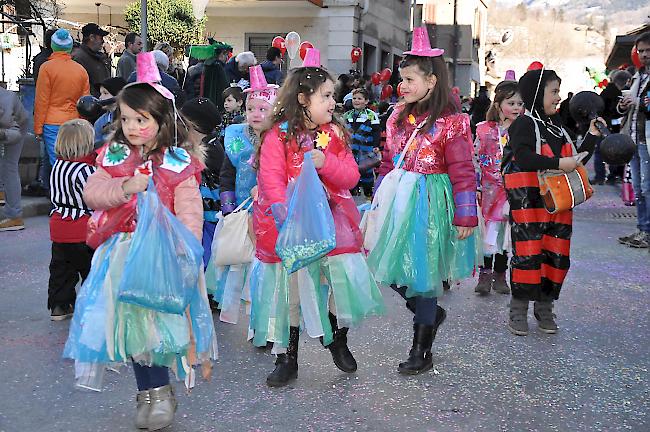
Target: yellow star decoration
<point>411,119</point>
<point>322,140</point>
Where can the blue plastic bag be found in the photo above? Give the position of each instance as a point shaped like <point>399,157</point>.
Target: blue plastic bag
<point>161,271</point>
<point>308,233</point>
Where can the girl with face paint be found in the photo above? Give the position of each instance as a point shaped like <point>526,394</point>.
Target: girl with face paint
<point>427,236</point>
<point>337,291</point>
<point>491,136</point>
<point>540,240</point>
<point>148,143</point>
<point>238,181</point>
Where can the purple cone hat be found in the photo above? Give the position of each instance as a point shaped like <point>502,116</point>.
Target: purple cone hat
<point>510,75</point>
<point>421,45</point>
<point>147,73</point>
<point>312,58</point>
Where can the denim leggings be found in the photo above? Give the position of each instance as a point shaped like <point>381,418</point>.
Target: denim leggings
<point>149,377</point>
<point>640,169</point>
<point>425,310</point>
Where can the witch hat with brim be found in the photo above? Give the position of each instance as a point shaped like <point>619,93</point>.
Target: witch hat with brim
<point>147,73</point>
<point>421,46</point>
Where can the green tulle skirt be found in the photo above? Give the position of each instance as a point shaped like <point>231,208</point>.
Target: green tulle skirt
<point>418,245</point>
<point>346,278</point>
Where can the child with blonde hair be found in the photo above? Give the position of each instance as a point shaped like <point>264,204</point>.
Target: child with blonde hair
<point>71,256</point>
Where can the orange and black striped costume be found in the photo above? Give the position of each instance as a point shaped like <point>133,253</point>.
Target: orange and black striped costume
<point>540,241</point>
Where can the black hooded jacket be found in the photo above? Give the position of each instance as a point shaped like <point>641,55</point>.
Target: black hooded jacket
<point>522,139</point>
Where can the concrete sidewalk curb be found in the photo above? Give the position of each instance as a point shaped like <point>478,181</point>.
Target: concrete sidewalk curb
<point>35,206</point>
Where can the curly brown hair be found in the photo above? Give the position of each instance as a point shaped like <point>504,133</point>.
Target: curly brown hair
<point>439,103</point>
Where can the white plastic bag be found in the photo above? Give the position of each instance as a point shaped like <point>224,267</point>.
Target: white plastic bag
<point>232,244</point>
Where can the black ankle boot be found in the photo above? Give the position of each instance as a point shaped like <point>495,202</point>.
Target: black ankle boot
<point>343,358</point>
<point>420,359</point>
<point>286,365</point>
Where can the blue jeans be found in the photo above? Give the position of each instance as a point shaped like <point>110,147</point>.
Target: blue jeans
<point>149,377</point>
<point>49,137</point>
<point>599,165</point>
<point>640,169</point>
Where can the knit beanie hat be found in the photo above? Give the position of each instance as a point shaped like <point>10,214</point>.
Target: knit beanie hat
<point>202,113</point>
<point>62,41</point>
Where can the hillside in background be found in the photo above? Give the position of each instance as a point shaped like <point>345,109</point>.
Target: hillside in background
<point>551,35</point>
<point>622,15</point>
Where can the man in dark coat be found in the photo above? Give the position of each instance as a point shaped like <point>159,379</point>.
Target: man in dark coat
<point>90,56</point>
<point>272,66</point>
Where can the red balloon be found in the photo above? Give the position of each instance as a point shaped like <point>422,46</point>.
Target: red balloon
<point>303,49</point>
<point>375,78</point>
<point>399,89</point>
<point>355,54</point>
<point>279,43</point>
<point>385,75</point>
<point>635,58</point>
<point>386,92</point>
<point>535,66</point>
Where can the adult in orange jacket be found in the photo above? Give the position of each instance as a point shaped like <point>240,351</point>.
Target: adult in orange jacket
<point>61,83</point>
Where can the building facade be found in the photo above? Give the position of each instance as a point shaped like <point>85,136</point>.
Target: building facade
<point>460,28</point>
<point>380,27</point>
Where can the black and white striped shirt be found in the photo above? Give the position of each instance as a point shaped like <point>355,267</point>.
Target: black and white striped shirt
<point>67,182</point>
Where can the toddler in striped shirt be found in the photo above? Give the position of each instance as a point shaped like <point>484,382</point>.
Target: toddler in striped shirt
<point>71,256</point>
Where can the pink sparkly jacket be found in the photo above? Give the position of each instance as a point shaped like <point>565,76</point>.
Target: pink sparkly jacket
<point>178,191</point>
<point>489,163</point>
<point>280,164</point>
<point>445,149</point>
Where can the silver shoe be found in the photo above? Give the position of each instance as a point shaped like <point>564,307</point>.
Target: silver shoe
<point>163,407</point>
<point>143,399</point>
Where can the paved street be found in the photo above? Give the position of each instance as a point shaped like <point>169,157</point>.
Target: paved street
<point>591,376</point>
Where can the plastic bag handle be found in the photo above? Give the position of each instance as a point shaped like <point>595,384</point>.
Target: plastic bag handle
<point>408,143</point>
<point>241,206</point>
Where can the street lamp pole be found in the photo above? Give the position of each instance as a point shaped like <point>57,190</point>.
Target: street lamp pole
<point>143,23</point>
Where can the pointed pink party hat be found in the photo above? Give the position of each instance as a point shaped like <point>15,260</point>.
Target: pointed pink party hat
<point>312,58</point>
<point>258,80</point>
<point>147,73</point>
<point>421,45</point>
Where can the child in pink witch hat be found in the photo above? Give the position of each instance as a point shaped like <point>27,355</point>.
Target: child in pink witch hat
<point>238,186</point>
<point>148,144</point>
<point>431,140</point>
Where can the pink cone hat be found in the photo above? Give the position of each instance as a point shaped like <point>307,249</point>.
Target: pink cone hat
<point>510,75</point>
<point>312,58</point>
<point>259,88</point>
<point>147,73</point>
<point>421,45</point>
<point>258,80</point>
